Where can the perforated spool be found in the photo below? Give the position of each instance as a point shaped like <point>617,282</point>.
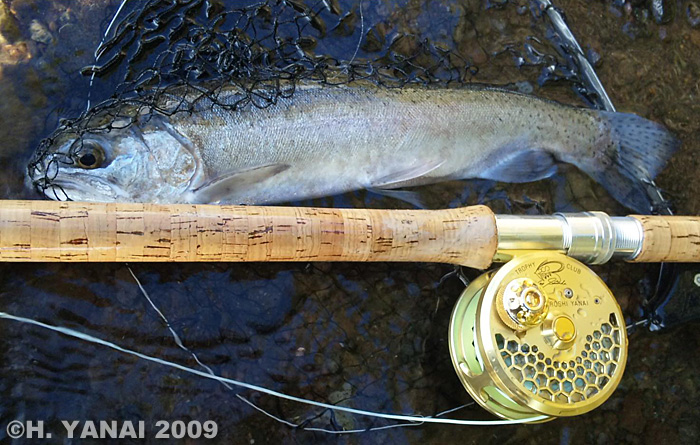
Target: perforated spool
<point>520,374</point>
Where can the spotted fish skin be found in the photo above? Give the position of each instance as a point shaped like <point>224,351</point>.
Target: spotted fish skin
<point>326,140</point>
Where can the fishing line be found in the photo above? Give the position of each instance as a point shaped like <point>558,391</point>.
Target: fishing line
<point>637,323</point>
<point>176,337</point>
<point>362,33</point>
<point>98,51</point>
<point>181,345</point>
<point>375,428</point>
<point>398,417</point>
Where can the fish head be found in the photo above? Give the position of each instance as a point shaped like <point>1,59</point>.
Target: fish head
<point>137,163</point>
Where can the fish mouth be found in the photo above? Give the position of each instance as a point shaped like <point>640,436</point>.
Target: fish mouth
<point>82,187</point>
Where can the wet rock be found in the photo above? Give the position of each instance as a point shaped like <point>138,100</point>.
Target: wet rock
<point>13,54</point>
<point>593,56</point>
<point>9,26</point>
<point>498,4</point>
<point>499,25</point>
<point>39,33</point>
<point>692,13</point>
<point>342,398</point>
<point>524,87</point>
<point>331,367</point>
<point>636,28</point>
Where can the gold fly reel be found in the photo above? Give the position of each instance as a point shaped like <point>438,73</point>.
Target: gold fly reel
<point>542,336</point>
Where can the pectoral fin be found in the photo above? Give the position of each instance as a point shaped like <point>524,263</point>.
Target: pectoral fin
<point>410,197</point>
<point>224,186</point>
<point>407,176</point>
<point>519,166</point>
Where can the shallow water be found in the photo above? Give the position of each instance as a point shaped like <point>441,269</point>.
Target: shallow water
<point>371,336</point>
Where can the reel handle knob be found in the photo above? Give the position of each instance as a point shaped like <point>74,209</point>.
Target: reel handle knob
<point>521,304</point>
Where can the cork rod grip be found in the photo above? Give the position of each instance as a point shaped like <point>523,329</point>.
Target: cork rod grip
<point>669,239</point>
<point>49,231</point>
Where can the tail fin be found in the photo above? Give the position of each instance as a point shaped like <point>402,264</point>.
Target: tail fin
<point>642,149</point>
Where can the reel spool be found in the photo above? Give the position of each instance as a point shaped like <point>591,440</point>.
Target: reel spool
<point>542,336</point>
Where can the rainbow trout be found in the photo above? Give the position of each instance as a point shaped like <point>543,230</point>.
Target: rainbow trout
<point>327,140</point>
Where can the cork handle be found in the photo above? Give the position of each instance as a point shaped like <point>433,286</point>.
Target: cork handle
<point>80,232</point>
<point>669,239</point>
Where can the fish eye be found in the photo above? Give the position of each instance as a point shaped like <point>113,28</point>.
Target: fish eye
<point>91,155</point>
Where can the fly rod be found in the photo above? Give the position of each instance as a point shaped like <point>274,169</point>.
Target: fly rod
<point>540,338</point>
<point>49,231</point>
